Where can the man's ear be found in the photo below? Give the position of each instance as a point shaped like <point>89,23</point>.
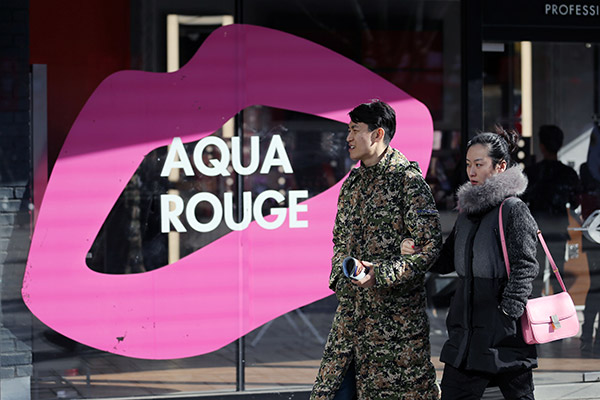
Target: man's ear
<point>379,135</point>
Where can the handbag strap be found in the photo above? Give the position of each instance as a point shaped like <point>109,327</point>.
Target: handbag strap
<point>542,241</point>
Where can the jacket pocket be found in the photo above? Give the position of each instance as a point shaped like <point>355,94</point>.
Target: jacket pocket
<point>505,333</point>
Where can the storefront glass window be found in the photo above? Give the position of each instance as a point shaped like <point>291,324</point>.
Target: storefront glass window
<point>549,93</point>
<point>412,45</point>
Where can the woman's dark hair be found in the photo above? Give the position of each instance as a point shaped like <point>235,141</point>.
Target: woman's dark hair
<point>501,144</point>
<point>376,114</point>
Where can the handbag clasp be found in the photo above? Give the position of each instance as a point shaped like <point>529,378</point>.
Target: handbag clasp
<point>555,321</point>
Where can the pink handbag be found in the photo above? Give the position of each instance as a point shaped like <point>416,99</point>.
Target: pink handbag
<point>546,318</point>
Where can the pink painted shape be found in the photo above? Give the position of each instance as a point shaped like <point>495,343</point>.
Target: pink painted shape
<point>240,281</point>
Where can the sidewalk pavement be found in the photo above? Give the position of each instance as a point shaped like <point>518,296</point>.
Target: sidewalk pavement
<point>282,359</point>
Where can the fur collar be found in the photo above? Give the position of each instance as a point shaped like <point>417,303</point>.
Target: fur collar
<point>476,199</point>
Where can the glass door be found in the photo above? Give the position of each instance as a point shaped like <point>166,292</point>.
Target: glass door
<point>548,92</point>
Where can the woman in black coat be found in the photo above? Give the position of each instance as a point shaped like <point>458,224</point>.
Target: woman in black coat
<point>485,345</point>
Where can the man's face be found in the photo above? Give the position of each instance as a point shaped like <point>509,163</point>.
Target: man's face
<point>362,143</point>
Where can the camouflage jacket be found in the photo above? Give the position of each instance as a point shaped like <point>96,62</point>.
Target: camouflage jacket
<point>385,328</point>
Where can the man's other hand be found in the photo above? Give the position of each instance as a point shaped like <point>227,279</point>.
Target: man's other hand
<point>369,280</point>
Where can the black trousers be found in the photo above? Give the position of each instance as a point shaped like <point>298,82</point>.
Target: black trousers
<point>460,384</point>
<point>348,389</point>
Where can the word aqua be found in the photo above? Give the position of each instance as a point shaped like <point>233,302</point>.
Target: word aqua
<point>172,205</point>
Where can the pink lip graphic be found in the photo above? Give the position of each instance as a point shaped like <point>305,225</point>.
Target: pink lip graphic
<point>240,281</point>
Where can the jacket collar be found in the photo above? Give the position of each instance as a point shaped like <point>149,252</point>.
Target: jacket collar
<point>480,198</point>
<point>381,165</point>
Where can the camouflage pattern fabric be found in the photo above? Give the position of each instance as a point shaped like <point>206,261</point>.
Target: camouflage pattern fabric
<point>385,328</point>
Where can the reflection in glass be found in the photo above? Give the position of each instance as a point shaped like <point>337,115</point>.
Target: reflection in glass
<point>131,240</point>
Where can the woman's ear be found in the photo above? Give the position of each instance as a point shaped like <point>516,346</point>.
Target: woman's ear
<point>501,166</point>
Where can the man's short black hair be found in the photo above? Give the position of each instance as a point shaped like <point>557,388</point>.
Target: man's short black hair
<point>551,136</point>
<point>376,114</point>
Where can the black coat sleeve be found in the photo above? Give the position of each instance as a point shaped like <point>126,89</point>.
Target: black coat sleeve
<point>445,262</point>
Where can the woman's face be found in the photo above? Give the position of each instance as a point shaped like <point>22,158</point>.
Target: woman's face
<point>480,165</point>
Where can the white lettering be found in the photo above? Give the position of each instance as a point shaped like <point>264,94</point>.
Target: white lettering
<point>190,212</point>
<point>173,206</point>
<point>246,211</point>
<point>276,146</point>
<point>276,157</point>
<point>176,150</point>
<point>571,9</point>
<point>236,153</point>
<point>279,212</point>
<point>219,166</point>
<point>562,9</point>
<point>295,208</point>
<point>169,214</point>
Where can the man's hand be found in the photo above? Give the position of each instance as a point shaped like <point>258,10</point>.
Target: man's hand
<point>369,280</point>
<point>407,247</point>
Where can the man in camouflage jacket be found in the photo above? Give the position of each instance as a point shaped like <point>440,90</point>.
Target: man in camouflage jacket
<point>378,346</point>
